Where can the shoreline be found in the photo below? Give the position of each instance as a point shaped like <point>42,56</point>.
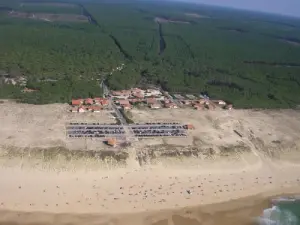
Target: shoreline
<point>239,211</point>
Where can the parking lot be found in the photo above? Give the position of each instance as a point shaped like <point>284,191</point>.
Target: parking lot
<point>94,130</point>
<point>97,130</point>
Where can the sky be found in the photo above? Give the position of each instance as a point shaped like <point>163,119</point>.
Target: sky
<point>283,7</point>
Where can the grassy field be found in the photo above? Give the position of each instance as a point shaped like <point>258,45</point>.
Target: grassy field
<point>250,59</point>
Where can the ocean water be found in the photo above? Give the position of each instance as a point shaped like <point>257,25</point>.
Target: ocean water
<point>284,211</point>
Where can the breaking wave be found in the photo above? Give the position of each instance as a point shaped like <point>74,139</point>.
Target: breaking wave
<point>284,211</point>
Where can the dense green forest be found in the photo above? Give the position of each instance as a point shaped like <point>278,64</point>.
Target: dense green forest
<point>250,59</point>
<point>59,91</point>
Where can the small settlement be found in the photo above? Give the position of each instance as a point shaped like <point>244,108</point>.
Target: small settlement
<point>89,105</point>
<point>151,98</point>
<point>136,97</point>
<point>155,99</point>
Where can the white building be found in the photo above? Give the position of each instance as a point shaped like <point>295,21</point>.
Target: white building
<point>152,92</point>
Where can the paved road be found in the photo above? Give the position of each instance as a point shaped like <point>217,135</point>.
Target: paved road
<point>129,133</point>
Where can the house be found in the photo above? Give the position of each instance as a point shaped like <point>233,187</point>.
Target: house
<point>191,96</point>
<point>124,102</point>
<point>98,100</point>
<point>155,105</point>
<point>219,102</point>
<point>101,101</point>
<point>27,90</point>
<point>203,101</point>
<point>153,92</point>
<point>166,101</point>
<point>137,91</point>
<point>105,101</point>
<point>96,108</point>
<point>229,107</point>
<point>186,102</point>
<point>74,109</point>
<point>189,127</point>
<point>116,93</point>
<point>198,107</point>
<point>160,98</point>
<point>126,107</point>
<point>81,109</point>
<point>112,142</point>
<point>88,101</point>
<point>122,96</point>
<point>76,102</point>
<point>138,95</point>
<point>171,105</point>
<point>151,101</point>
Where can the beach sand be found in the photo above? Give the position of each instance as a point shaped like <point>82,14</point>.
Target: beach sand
<point>220,189</point>
<point>149,190</point>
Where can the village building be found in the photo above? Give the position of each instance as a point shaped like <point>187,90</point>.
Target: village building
<point>98,100</point>
<point>203,101</point>
<point>151,101</point>
<point>229,107</point>
<point>191,96</point>
<point>152,92</point>
<point>186,102</point>
<point>160,98</point>
<point>74,109</point>
<point>166,100</point>
<point>112,142</point>
<point>77,102</point>
<point>126,107</point>
<point>189,127</point>
<point>101,101</point>
<point>94,108</point>
<point>198,107</point>
<point>138,95</point>
<point>81,109</point>
<point>28,90</point>
<point>171,105</point>
<point>105,102</point>
<point>88,101</point>
<point>137,90</point>
<point>123,102</point>
<point>155,105</point>
<point>219,102</point>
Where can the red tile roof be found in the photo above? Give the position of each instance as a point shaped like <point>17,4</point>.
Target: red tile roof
<point>151,101</point>
<point>89,101</point>
<point>76,102</point>
<point>104,102</point>
<point>94,108</point>
<point>124,102</point>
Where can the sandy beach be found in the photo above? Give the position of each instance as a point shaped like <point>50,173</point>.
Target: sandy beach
<point>152,195</point>
<point>127,190</point>
<point>38,189</point>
